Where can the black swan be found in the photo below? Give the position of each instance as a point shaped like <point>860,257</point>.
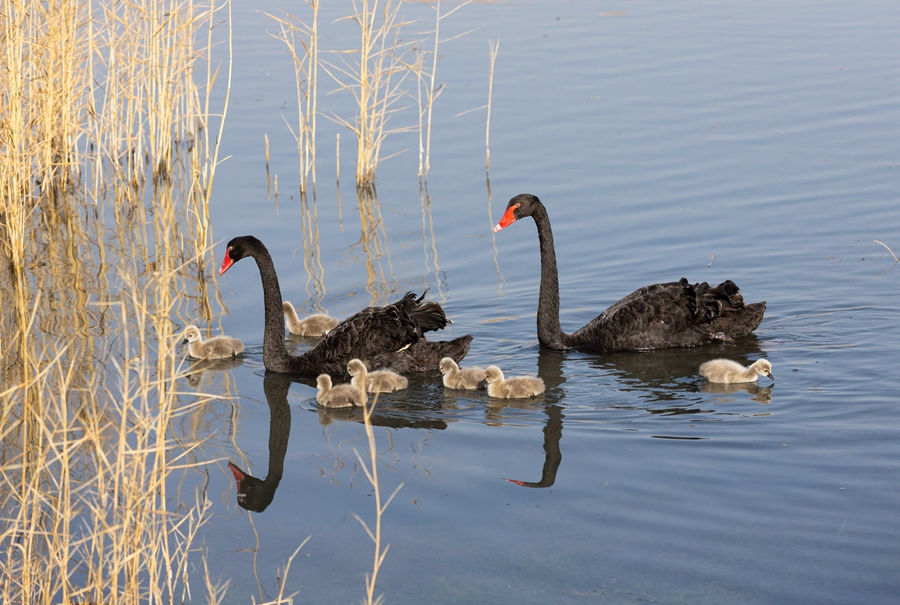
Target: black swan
<point>674,314</point>
<point>389,337</point>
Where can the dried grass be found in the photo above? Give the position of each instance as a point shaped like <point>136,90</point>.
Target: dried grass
<point>104,192</point>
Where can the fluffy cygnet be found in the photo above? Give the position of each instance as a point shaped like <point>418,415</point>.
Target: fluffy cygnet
<point>339,396</point>
<point>379,381</point>
<point>217,347</point>
<point>312,325</point>
<point>515,387</point>
<point>727,371</point>
<point>460,378</point>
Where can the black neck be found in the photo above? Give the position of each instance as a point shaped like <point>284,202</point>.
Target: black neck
<point>549,332</point>
<point>275,354</point>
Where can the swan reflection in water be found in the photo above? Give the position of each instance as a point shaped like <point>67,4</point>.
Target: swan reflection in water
<point>550,370</point>
<point>670,376</point>
<point>660,376</point>
<point>256,494</point>
<point>205,370</point>
<point>760,394</point>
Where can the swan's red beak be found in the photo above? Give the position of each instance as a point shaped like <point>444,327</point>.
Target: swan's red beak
<point>238,476</point>
<point>507,219</point>
<point>226,263</point>
<point>238,473</point>
<point>516,481</point>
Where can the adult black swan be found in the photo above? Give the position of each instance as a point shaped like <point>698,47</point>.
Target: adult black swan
<point>674,314</point>
<point>389,337</point>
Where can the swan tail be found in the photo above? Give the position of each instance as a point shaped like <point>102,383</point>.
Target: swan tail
<point>430,316</point>
<point>423,355</point>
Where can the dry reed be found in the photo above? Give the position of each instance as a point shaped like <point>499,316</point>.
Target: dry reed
<point>493,49</point>
<point>306,68</point>
<point>105,181</point>
<point>374,75</point>
<point>896,260</point>
<point>371,471</point>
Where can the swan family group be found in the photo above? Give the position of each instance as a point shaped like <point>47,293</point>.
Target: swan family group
<point>378,344</point>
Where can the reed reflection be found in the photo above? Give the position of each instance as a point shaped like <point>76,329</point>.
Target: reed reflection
<point>255,494</point>
<point>374,242</point>
<point>312,253</point>
<point>427,216</point>
<point>491,223</point>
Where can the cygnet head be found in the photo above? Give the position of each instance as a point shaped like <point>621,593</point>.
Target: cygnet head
<point>191,334</point>
<point>356,367</point>
<point>323,382</point>
<point>448,365</point>
<point>287,307</point>
<point>493,374</point>
<point>763,367</point>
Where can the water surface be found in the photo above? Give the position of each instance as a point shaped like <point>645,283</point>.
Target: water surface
<point>753,142</point>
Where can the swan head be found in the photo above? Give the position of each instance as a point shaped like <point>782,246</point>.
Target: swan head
<point>190,334</point>
<point>520,206</point>
<point>238,248</point>
<point>448,365</point>
<point>763,367</point>
<point>356,367</point>
<point>323,382</point>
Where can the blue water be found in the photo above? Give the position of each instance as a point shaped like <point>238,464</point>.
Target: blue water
<point>756,142</point>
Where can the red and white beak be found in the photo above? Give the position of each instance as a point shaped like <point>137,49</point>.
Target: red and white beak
<point>226,262</point>
<point>508,218</point>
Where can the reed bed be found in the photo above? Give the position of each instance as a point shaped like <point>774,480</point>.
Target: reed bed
<point>375,75</point>
<point>105,179</point>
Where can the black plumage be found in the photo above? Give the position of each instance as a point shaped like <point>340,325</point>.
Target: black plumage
<point>674,314</point>
<point>391,337</point>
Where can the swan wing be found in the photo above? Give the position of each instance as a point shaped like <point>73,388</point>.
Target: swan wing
<point>666,315</point>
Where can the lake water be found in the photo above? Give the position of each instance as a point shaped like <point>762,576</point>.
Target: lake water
<point>758,142</point>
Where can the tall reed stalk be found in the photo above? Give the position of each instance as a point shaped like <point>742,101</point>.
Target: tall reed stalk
<point>493,49</point>
<point>306,68</point>
<point>371,470</point>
